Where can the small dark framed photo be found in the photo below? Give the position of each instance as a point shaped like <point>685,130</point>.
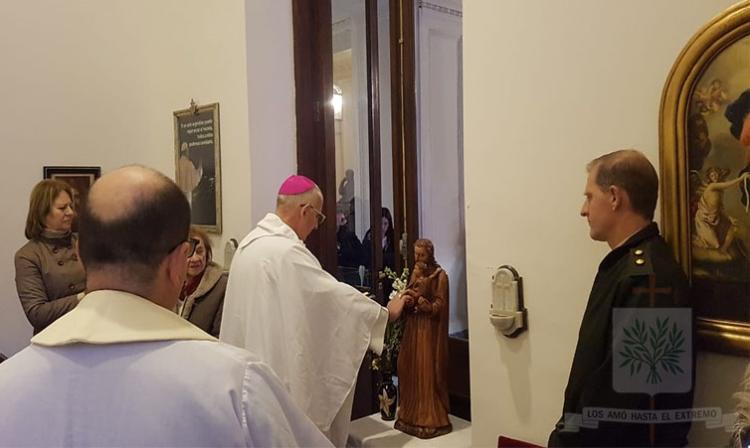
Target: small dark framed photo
<point>80,178</point>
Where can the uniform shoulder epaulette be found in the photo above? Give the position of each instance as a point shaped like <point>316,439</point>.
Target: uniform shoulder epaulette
<point>640,261</point>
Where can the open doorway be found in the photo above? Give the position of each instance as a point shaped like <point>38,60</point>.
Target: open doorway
<point>379,125</point>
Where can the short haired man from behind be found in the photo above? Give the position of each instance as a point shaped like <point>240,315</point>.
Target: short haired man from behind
<point>639,277</point>
<point>121,369</point>
<point>310,328</point>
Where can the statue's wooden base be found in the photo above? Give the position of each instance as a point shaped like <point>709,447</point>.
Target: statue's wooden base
<point>373,432</point>
<point>421,431</point>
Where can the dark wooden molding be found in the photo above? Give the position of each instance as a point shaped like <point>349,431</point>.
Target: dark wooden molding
<point>313,75</point>
<point>373,123</point>
<point>404,125</point>
<point>411,161</point>
<point>396,130</point>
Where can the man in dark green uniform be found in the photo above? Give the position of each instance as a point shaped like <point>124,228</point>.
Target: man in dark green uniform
<point>638,274</point>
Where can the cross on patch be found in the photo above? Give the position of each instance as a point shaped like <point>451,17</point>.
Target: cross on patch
<point>652,290</point>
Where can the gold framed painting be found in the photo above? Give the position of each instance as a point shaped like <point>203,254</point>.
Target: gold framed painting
<point>197,156</point>
<point>705,176</point>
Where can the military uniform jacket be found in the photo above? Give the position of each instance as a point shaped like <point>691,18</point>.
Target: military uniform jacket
<point>48,277</point>
<point>643,261</point>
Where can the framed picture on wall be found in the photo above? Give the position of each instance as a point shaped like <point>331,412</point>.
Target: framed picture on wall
<point>198,163</point>
<point>705,174</point>
<point>80,178</point>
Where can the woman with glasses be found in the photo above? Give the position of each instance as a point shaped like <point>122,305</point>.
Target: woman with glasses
<point>49,278</point>
<point>202,297</point>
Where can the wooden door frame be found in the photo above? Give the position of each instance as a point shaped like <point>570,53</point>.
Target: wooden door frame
<point>404,129</point>
<point>313,69</point>
<point>373,124</point>
<point>315,122</point>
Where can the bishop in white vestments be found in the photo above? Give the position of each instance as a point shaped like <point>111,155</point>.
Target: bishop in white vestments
<point>310,328</point>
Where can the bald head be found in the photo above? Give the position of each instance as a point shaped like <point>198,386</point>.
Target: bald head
<point>133,218</point>
<point>119,193</point>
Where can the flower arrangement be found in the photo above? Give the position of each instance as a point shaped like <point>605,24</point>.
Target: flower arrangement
<point>386,362</point>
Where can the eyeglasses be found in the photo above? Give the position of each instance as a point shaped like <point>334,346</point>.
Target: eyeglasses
<point>193,244</point>
<point>321,217</point>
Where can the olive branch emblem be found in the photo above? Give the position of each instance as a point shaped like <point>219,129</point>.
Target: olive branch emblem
<point>655,347</point>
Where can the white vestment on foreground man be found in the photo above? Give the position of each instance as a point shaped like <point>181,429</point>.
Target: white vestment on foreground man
<point>121,370</point>
<point>310,328</point>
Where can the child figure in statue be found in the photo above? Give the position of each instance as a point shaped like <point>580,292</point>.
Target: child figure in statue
<point>418,286</point>
<point>423,358</point>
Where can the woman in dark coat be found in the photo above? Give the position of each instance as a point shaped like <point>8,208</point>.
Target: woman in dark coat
<point>49,278</point>
<point>202,297</point>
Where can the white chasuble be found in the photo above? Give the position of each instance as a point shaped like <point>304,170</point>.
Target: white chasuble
<point>119,370</point>
<point>310,328</point>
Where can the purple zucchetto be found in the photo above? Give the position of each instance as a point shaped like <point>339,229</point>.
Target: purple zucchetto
<point>296,184</point>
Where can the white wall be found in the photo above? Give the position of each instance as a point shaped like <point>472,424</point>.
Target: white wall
<point>271,103</point>
<point>441,200</point>
<point>547,87</point>
<point>87,82</point>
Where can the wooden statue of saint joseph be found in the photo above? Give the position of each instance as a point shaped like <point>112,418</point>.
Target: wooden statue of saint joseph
<point>423,357</point>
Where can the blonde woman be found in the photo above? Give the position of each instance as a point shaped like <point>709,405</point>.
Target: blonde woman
<point>49,277</point>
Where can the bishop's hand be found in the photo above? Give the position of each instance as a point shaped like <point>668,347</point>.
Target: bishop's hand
<point>408,299</point>
<point>396,307</point>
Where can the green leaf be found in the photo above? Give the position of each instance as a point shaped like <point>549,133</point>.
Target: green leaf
<point>671,368</point>
<point>626,362</point>
<point>627,333</point>
<point>662,333</point>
